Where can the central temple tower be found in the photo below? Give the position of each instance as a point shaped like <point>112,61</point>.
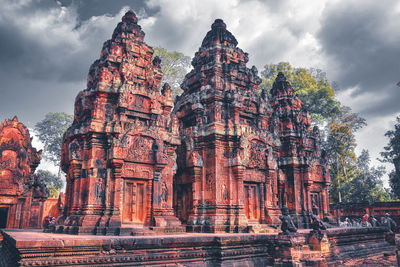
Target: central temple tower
<point>227,161</point>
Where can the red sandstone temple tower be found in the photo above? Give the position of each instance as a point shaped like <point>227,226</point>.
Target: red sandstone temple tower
<point>304,177</point>
<point>242,155</point>
<point>22,194</point>
<point>119,154</point>
<point>227,163</point>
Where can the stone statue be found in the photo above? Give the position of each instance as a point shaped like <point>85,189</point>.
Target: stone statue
<point>49,224</point>
<point>287,225</point>
<point>316,223</point>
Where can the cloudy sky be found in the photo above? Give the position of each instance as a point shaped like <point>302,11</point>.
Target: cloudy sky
<point>47,46</point>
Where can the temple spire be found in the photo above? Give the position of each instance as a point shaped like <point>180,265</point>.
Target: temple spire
<point>281,87</point>
<point>128,26</point>
<point>219,34</point>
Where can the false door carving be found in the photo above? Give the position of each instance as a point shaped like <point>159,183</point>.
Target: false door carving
<point>135,200</point>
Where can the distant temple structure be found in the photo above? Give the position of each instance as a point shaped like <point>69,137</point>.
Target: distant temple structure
<point>225,159</point>
<point>22,194</point>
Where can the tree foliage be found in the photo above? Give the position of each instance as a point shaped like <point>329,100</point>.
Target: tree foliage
<point>340,145</point>
<point>53,181</point>
<point>50,132</point>
<point>174,66</point>
<point>391,154</point>
<point>311,86</point>
<point>367,184</point>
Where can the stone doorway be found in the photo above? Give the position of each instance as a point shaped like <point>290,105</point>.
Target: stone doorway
<point>184,202</point>
<point>252,202</point>
<point>3,217</point>
<point>135,199</point>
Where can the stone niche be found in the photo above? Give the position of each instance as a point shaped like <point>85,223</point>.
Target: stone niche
<point>119,153</point>
<point>22,194</point>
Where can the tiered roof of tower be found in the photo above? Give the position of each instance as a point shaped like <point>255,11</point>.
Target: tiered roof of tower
<point>15,136</point>
<point>220,73</point>
<point>122,128</point>
<point>124,82</point>
<point>295,123</point>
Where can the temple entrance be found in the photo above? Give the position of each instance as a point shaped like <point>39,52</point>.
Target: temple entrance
<point>252,202</point>
<point>3,217</point>
<point>183,202</point>
<point>135,202</point>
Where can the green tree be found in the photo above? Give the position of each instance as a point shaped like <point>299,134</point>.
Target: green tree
<point>311,86</point>
<point>340,145</point>
<point>367,185</point>
<point>391,154</point>
<point>174,66</point>
<point>50,132</point>
<point>53,181</point>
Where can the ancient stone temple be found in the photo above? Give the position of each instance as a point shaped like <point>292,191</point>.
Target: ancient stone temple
<point>243,156</point>
<point>119,153</point>
<point>22,194</point>
<point>228,158</point>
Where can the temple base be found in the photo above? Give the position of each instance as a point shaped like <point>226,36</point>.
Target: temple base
<point>28,248</point>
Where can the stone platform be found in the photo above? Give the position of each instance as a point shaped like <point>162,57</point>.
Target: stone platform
<point>30,248</point>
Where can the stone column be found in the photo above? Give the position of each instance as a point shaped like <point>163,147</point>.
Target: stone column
<point>115,219</point>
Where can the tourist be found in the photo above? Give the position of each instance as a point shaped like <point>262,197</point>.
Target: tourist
<point>389,223</point>
<point>365,221</point>
<point>374,222</point>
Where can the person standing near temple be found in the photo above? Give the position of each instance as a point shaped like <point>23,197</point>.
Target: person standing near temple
<point>389,223</point>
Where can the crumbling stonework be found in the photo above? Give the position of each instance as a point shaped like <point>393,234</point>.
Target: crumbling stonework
<point>22,194</point>
<point>119,153</point>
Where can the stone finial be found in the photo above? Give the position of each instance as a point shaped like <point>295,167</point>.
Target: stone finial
<point>218,23</point>
<point>219,34</point>
<point>128,25</point>
<point>281,77</point>
<point>130,16</point>
<point>281,86</point>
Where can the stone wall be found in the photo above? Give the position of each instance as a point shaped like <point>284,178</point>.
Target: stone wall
<point>34,249</point>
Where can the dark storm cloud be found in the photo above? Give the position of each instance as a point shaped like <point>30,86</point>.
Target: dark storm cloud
<point>363,39</point>
<point>46,49</point>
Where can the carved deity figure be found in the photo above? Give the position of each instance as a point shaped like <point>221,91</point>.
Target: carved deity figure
<point>287,225</point>
<point>316,223</point>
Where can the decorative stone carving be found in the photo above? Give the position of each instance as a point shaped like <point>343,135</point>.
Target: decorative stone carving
<point>287,225</point>
<point>120,173</point>
<point>22,193</point>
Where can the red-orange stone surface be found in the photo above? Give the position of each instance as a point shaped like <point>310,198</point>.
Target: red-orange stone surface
<point>21,192</point>
<point>119,153</point>
<point>241,156</point>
